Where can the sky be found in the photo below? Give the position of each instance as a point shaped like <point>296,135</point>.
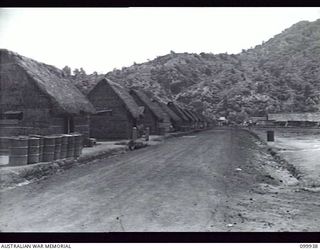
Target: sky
<point>101,39</point>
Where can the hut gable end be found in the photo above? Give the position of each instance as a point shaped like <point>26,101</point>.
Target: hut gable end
<point>109,95</point>
<point>99,97</point>
<point>19,91</point>
<point>118,122</point>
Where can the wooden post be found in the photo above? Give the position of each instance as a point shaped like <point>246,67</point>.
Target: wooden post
<point>132,142</point>
<point>134,133</point>
<point>147,133</point>
<point>270,135</point>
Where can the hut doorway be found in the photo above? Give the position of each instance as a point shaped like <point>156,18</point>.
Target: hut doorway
<point>69,125</point>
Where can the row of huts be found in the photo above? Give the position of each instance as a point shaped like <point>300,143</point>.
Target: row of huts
<point>36,98</point>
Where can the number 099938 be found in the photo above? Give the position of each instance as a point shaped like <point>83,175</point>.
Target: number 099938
<point>308,245</point>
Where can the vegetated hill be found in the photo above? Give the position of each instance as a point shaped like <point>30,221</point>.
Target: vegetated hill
<point>281,75</point>
<point>201,81</point>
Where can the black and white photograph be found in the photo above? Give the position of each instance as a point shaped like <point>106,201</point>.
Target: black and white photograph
<point>160,119</point>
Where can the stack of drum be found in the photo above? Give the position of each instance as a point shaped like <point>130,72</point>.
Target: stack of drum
<point>77,144</point>
<point>40,146</point>
<point>48,148</point>
<point>4,142</point>
<point>33,150</point>
<point>64,146</point>
<point>4,150</point>
<point>57,147</point>
<point>70,145</point>
<point>36,148</point>
<point>18,151</point>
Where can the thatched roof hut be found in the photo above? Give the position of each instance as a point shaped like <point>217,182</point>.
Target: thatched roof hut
<point>37,98</point>
<point>284,117</point>
<point>52,82</point>
<point>170,113</point>
<point>153,106</point>
<point>154,117</point>
<point>118,111</point>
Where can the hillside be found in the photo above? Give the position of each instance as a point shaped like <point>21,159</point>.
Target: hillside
<point>282,74</point>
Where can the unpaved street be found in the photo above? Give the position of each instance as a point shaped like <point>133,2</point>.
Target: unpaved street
<point>219,180</point>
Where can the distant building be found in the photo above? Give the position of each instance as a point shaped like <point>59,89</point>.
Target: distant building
<point>117,112</point>
<point>37,98</point>
<point>260,121</point>
<point>154,117</point>
<point>295,119</point>
<point>222,121</point>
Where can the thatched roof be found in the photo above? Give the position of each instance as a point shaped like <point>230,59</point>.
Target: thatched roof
<point>154,108</point>
<point>195,115</point>
<point>189,115</point>
<point>51,81</point>
<point>311,117</point>
<point>87,83</point>
<point>175,108</point>
<point>169,112</point>
<point>131,106</point>
<point>164,113</point>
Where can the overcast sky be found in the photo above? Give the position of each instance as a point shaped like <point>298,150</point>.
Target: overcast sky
<point>101,39</point>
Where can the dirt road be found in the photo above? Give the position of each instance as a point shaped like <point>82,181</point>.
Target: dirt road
<point>219,180</point>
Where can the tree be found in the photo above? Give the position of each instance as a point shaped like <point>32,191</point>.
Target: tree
<point>82,72</point>
<point>76,72</point>
<point>79,73</point>
<point>67,70</point>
